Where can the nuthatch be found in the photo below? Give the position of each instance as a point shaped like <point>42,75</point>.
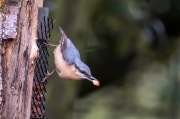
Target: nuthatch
<point>68,63</point>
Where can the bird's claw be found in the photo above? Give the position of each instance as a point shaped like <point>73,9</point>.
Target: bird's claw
<point>48,74</point>
<point>49,44</point>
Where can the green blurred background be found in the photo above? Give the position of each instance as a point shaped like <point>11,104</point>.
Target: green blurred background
<point>131,47</point>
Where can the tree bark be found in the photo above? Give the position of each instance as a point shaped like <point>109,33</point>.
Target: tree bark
<point>18,60</point>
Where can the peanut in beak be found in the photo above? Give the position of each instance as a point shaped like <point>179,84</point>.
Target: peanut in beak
<point>96,82</point>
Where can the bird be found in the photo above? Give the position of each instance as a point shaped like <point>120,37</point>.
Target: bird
<point>68,62</point>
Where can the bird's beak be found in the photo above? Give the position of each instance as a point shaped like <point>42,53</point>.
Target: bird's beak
<point>93,80</point>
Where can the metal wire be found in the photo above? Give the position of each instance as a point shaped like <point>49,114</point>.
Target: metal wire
<point>39,89</point>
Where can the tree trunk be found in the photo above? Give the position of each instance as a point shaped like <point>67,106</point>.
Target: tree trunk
<point>19,55</point>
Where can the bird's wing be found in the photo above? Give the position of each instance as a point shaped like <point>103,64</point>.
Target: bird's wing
<point>68,49</point>
<point>70,54</point>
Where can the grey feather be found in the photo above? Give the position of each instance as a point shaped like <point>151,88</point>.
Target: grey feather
<point>82,67</point>
<point>69,51</point>
<point>71,54</point>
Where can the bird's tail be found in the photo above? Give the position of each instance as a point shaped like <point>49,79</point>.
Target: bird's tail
<point>65,41</point>
<point>62,32</point>
<point>63,36</point>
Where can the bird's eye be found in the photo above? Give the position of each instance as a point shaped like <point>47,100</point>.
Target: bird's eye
<point>83,72</point>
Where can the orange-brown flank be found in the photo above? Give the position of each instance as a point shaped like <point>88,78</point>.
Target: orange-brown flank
<point>96,82</point>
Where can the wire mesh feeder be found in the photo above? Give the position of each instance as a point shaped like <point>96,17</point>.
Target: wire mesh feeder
<point>39,90</point>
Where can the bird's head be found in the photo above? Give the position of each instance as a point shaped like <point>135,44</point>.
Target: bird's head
<point>84,72</point>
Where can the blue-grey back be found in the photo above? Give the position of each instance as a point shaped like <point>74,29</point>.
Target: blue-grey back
<point>70,54</point>
<point>68,50</point>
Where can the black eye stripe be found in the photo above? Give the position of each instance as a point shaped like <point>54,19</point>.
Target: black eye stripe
<point>83,72</point>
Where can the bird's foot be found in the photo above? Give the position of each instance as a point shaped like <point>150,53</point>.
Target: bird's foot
<point>47,75</point>
<point>49,44</point>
